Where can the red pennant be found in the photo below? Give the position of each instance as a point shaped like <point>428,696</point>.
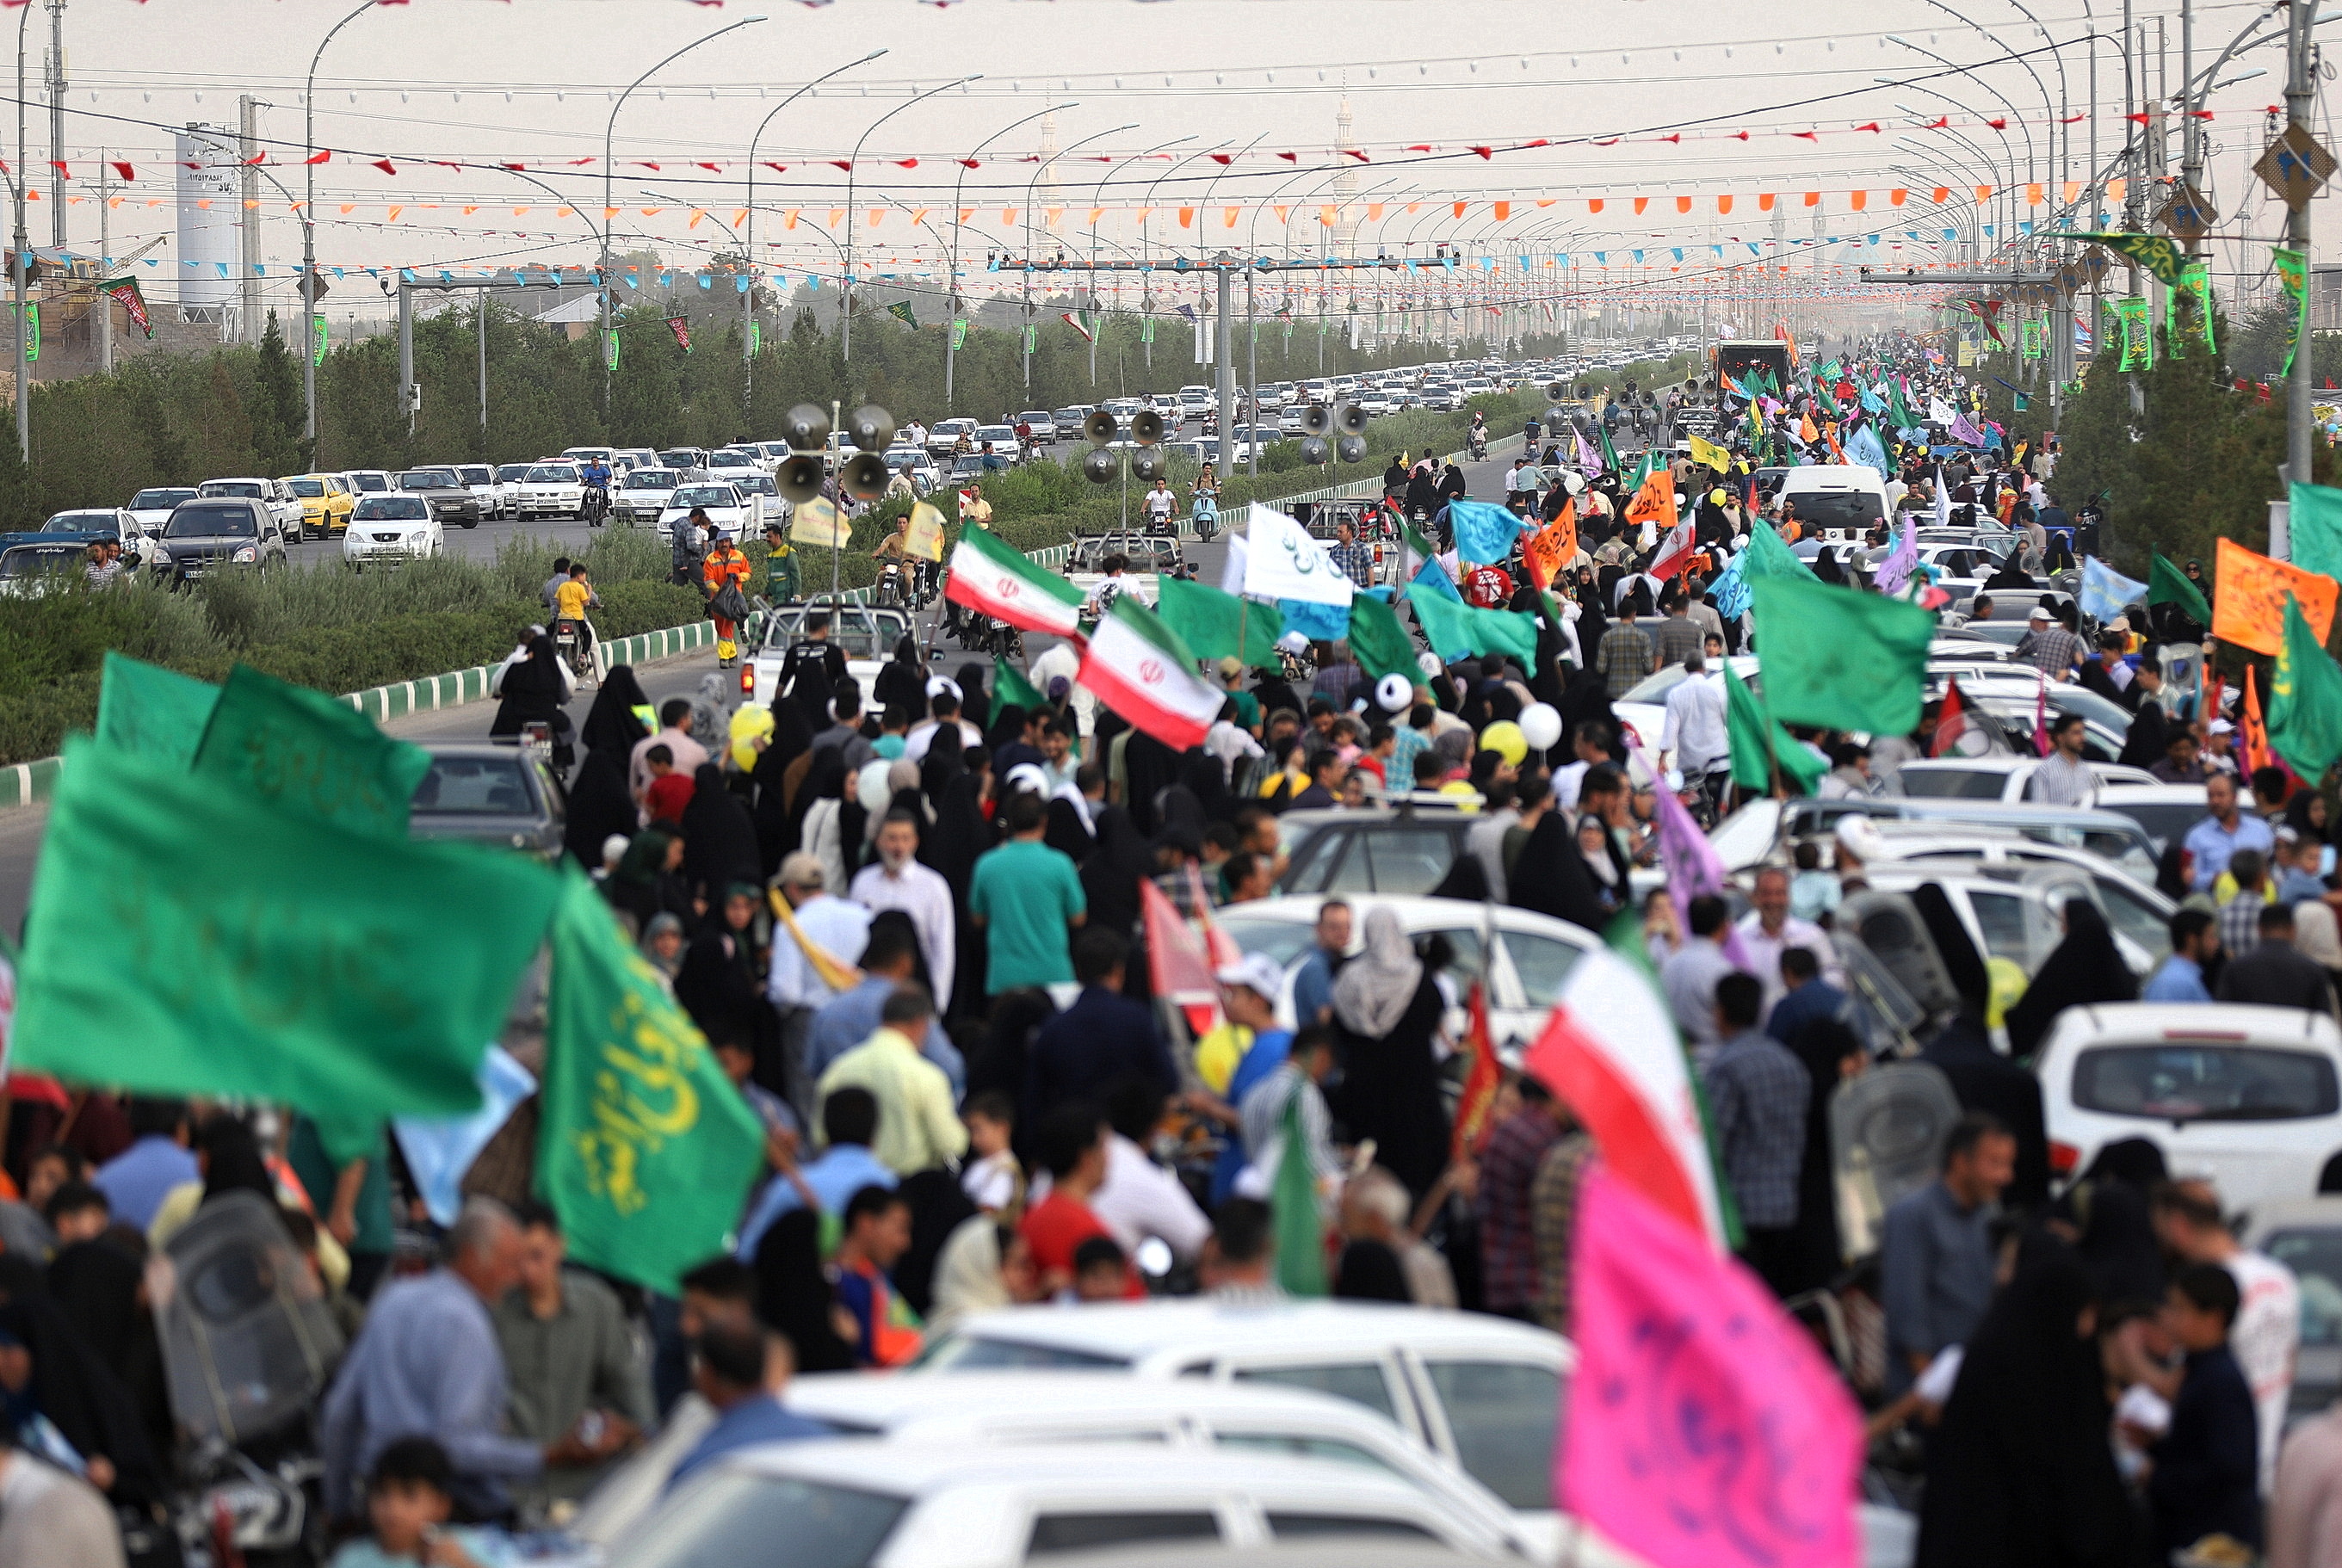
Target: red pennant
<point>846,164</point>
<point>579,162</point>
<point>125,170</point>
<point>59,165</point>
<point>1290,157</point>
<point>384,164</point>
<point>1743,135</point>
<point>1943,122</point>
<point>1999,125</point>
<point>1485,153</point>
<point>2072,118</point>
<point>777,168</point>
<point>1540,141</point>
<point>1675,136</point>
<point>1611,142</point>
<point>969,164</point>
<point>1805,136</point>
<point>906,163</point>
<point>1418,146</point>
<point>1223,159</point>
<point>1354,153</point>
<point>518,166</point>
<point>1873,126</point>
<point>2201,114</point>
<point>646,164</point>
<point>716,169</point>
<point>2138,119</point>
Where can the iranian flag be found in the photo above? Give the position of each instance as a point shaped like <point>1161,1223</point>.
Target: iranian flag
<point>1079,320</point>
<point>1139,667</point>
<point>988,577</point>
<point>1674,551</point>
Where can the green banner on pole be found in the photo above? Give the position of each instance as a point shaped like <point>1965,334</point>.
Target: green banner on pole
<point>610,347</point>
<point>755,337</point>
<point>1146,330</point>
<point>1031,338</point>
<point>959,333</point>
<point>318,339</point>
<point>31,310</point>
<point>2292,271</point>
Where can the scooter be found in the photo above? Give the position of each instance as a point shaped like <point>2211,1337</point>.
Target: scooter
<point>1206,517</point>
<point>889,590</point>
<point>1477,444</point>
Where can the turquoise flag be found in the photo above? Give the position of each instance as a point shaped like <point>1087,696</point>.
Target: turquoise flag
<point>2317,521</point>
<point>1483,533</point>
<point>1457,629</point>
<point>1432,576</point>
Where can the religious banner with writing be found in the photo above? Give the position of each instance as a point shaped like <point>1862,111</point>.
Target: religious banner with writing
<point>2248,596</point>
<point>681,327</point>
<point>2293,271</point>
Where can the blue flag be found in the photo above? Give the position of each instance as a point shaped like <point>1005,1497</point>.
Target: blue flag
<point>1864,447</point>
<point>2107,593</point>
<point>1483,533</point>
<point>1434,577</point>
<point>439,1150</point>
<point>1730,593</point>
<point>1318,622</point>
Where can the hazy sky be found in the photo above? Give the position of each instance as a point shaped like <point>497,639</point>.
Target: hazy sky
<point>533,82</point>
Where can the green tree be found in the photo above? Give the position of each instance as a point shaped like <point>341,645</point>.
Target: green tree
<point>277,412</point>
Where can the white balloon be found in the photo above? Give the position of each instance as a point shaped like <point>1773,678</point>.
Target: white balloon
<point>1428,663</point>
<point>1541,723</point>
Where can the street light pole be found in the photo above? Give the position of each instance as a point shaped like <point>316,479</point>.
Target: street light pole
<point>609,142</point>
<point>846,285</point>
<point>2300,88</point>
<point>748,245</point>
<point>19,266</point>
<point>309,230</point>
<point>1026,346</point>
<point>951,282</point>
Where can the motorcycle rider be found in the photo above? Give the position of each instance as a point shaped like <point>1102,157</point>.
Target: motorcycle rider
<point>1160,504</point>
<point>571,600</point>
<point>596,474</point>
<point>1477,436</point>
<point>1204,502</point>
<point>780,565</point>
<point>894,548</point>
<point>726,567</point>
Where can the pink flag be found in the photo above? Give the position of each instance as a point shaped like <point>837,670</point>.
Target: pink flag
<point>1704,1430</point>
<point>1692,864</point>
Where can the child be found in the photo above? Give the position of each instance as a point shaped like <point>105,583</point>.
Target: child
<point>1101,1273</point>
<point>992,1180</point>
<point>408,1503</point>
<point>1813,892</point>
<point>2207,1471</point>
<point>669,791</point>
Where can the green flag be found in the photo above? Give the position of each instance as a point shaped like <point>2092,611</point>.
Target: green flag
<point>1609,453</point>
<point>645,1146</point>
<point>1757,742</point>
<point>2158,255</point>
<point>1767,556</point>
<point>1455,629</point>
<point>1009,685</point>
<point>1293,1209</point>
<point>2292,268</point>
<point>2167,584</point>
<point>1216,625</point>
<point>153,711</point>
<point>1899,410</point>
<point>2316,528</point>
<point>2305,714</point>
<point>205,942</point>
<point>1380,642</point>
<point>1840,657</point>
<point>297,750</point>
<point>901,311</point>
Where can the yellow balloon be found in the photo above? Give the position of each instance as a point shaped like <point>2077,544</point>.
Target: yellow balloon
<point>753,721</point>
<point>1505,738</point>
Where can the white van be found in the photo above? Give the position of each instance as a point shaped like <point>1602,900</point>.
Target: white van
<point>1834,499</point>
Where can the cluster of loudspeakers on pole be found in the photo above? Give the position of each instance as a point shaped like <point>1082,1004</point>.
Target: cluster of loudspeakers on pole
<point>864,475</point>
<point>1147,429</point>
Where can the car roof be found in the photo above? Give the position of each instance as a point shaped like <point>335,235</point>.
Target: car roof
<point>855,1400</point>
<point>1128,1332</point>
<point>2231,1022</point>
<point>912,1468</point>
<point>1332,1550</point>
<point>2150,795</point>
<point>1984,765</point>
<point>2293,1214</point>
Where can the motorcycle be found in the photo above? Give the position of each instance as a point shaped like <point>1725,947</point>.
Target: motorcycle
<point>595,508</point>
<point>889,590</point>
<point>1477,444</point>
<point>574,649</point>
<point>1206,517</point>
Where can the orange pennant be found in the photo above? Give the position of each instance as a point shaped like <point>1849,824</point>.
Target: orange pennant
<point>1656,501</point>
<point>1552,547</point>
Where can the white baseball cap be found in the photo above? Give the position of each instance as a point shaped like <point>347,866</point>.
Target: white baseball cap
<point>1255,971</point>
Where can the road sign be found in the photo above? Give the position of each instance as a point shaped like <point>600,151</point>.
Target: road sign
<point>2295,167</point>
<point>2189,216</point>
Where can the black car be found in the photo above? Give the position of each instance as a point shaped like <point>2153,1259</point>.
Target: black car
<point>491,794</point>
<point>1406,851</point>
<point>452,500</point>
<point>212,532</point>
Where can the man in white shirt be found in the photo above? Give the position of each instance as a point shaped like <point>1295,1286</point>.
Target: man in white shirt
<point>1694,734</point>
<point>2266,1334</point>
<point>840,928</point>
<point>899,882</point>
<point>2064,778</point>
<point>942,696</point>
<point>1139,1198</point>
<point>1770,930</point>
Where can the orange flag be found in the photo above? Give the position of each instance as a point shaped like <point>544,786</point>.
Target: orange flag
<point>1551,548</point>
<point>2255,730</point>
<point>2249,598</point>
<point>1656,501</point>
<point>1807,431</point>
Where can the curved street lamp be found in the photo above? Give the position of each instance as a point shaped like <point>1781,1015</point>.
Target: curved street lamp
<point>845,300</point>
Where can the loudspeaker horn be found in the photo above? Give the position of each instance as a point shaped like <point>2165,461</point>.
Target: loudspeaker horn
<point>871,429</point>
<point>1147,465</point>
<point>1100,428</point>
<point>805,428</point>
<point>1314,450</point>
<point>1556,392</point>
<point>1584,391</point>
<point>1315,421</point>
<point>865,477</point>
<point>1147,427</point>
<point>1351,449</point>
<point>798,479</point>
<point>1350,419</point>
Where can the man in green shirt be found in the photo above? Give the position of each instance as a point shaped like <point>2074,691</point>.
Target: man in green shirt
<point>780,566</point>
<point>352,1201</point>
<point>1232,672</point>
<point>1026,897</point>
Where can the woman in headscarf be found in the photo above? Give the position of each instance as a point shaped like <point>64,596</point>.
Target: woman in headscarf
<point>2086,967</point>
<point>2108,1208</point>
<point>795,1296</point>
<point>942,763</point>
<point>961,833</point>
<point>599,805</point>
<point>1610,888</point>
<point>1148,768</point>
<point>2316,938</point>
<point>649,878</point>
<point>984,1265</point>
<point>1586,697</point>
<point>820,813</point>
<point>52,1382</point>
<point>2306,815</point>
<point>1550,877</point>
<point>1207,782</point>
<point>1069,832</point>
<point>614,722</point>
<point>903,682</point>
<point>974,705</point>
<point>719,836</point>
<point>662,946</point>
<point>2020,1472</point>
<point>780,767</point>
<point>1111,874</point>
<point>719,983</point>
<point>1827,567</point>
<point>534,692</point>
<point>1831,1054</point>
<point>1387,1010</point>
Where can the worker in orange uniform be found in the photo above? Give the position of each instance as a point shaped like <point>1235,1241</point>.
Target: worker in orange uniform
<point>724,574</point>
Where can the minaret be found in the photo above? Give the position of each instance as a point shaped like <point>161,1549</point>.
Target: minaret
<point>1345,183</point>
<point>1047,192</point>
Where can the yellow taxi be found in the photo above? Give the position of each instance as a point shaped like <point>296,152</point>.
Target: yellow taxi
<point>326,501</point>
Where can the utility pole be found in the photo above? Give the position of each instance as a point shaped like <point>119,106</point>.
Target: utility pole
<point>57,123</point>
<point>248,224</point>
<point>2300,88</point>
<point>1226,380</point>
<point>104,266</point>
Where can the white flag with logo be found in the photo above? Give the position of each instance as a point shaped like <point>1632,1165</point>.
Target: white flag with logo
<point>1284,563</point>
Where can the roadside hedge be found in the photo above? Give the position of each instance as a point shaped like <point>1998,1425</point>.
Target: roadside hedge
<point>322,626</point>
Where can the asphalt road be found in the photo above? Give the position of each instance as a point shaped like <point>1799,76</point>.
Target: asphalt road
<point>479,543</point>
<point>21,829</point>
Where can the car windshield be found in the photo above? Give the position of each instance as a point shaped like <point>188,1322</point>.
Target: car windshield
<point>40,560</point>
<point>706,496</point>
<point>79,523</point>
<point>680,459</point>
<point>197,521</point>
<point>475,786</point>
<point>1836,508</point>
<point>968,1353</point>
<point>755,485</point>
<point>984,432</point>
<point>1953,783</point>
<point>652,479</point>
<point>309,489</point>
<point>375,481</point>
<point>552,473</point>
<point>247,487</point>
<point>159,500</point>
<point>476,475</point>
<point>2314,1254</point>
<point>731,460</point>
<point>392,509</point>
<point>512,473</point>
<point>737,1516</point>
<point>2192,1080</point>
<point>428,479</point>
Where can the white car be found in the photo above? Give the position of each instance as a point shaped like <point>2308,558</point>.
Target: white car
<point>724,506</point>
<point>866,634</point>
<point>2168,812</point>
<point>846,1503</point>
<point>762,497</point>
<point>390,529</point>
<point>550,490</point>
<point>1043,424</point>
<point>481,480</point>
<point>508,481</point>
<point>115,521</point>
<point>914,462</point>
<point>944,434</point>
<point>1002,438</point>
<point>152,508</point>
<point>639,497</point>
<point>731,464</point>
<point>2001,777</point>
<point>581,456</point>
<point>372,481</point>
<point>2248,1096</point>
<point>274,494</point>
<point>987,1409</point>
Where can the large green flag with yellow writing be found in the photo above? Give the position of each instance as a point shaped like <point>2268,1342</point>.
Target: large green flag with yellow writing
<point>151,710</point>
<point>207,943</point>
<point>1839,657</point>
<point>299,750</point>
<point>647,1150</point>
<point>1380,642</point>
<point>2305,715</point>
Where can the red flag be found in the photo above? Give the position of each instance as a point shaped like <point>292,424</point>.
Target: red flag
<point>325,155</point>
<point>385,165</point>
<point>1480,1082</point>
<point>1951,722</point>
<point>1178,965</point>
<point>2253,731</point>
<point>125,170</point>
